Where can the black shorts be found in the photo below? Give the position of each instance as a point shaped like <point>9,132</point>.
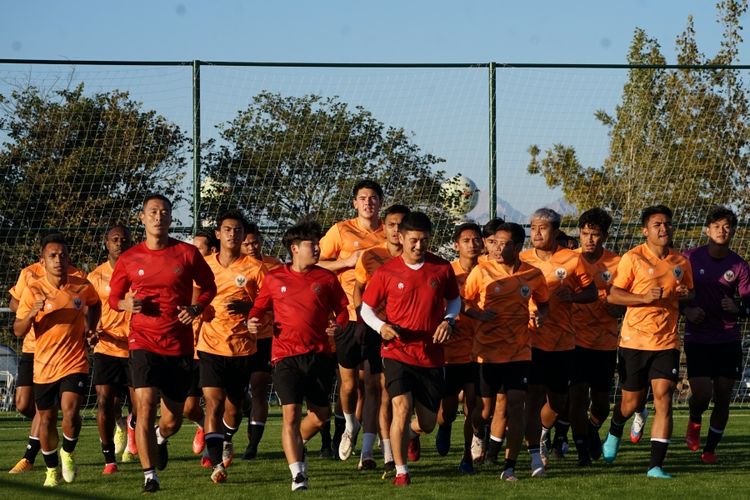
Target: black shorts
<point>195,391</point>
<point>48,396</point>
<point>595,368</point>
<point>170,374</point>
<point>499,378</point>
<point>229,373</point>
<point>371,350</point>
<point>637,368</point>
<point>425,384</point>
<point>457,376</point>
<point>25,370</point>
<point>348,350</point>
<point>260,361</point>
<point>552,369</point>
<point>110,370</point>
<point>304,377</point>
<point>714,360</point>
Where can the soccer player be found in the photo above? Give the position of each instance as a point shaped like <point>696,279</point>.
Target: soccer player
<point>24,397</point>
<point>459,367</point>
<point>160,271</point>
<point>419,294</point>
<point>651,279</point>
<point>260,361</point>
<point>498,290</point>
<point>206,243</point>
<point>225,345</point>
<point>302,297</point>
<point>340,249</point>
<point>596,340</point>
<point>111,375</point>
<point>64,311</point>
<point>553,343</point>
<point>377,404</point>
<point>713,342</point>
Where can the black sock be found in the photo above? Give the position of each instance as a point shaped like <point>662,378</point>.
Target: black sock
<point>615,428</point>
<point>582,446</point>
<point>214,445</point>
<point>696,419</point>
<point>493,449</point>
<point>69,445</point>
<point>561,430</point>
<point>256,433</point>
<point>32,449</point>
<point>509,464</point>
<point>229,432</point>
<point>132,422</point>
<point>51,459</point>
<point>325,435</point>
<point>108,450</point>
<point>339,426</point>
<point>714,436</point>
<point>658,453</point>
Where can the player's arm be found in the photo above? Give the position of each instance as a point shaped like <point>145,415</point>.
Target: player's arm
<point>263,303</point>
<point>330,248</point>
<point>357,292</point>
<point>205,280</point>
<point>622,297</point>
<point>542,313</point>
<point>13,304</point>
<point>93,315</point>
<point>29,306</point>
<point>445,329</point>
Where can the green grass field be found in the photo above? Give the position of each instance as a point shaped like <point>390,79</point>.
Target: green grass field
<point>433,476</point>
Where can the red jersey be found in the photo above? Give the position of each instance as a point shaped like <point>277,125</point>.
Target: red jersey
<point>163,280</point>
<point>301,303</point>
<point>415,303</point>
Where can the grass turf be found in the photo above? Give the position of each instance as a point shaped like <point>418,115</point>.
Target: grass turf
<point>433,476</point>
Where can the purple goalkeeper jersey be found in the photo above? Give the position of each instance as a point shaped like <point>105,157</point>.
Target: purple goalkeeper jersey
<point>713,279</point>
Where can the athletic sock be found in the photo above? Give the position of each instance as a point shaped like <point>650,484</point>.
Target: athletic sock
<point>494,447</point>
<point>296,468</point>
<point>214,445</point>
<point>132,421</point>
<point>51,458</point>
<point>658,452</point>
<point>351,421</point>
<point>696,419</point>
<point>256,433</point>
<point>615,428</point>
<point>582,446</point>
<point>509,464</point>
<point>69,444</point>
<point>402,469</point>
<point>368,443</point>
<point>387,450</point>
<point>108,450</point>
<point>150,473</point>
<point>325,435</point>
<point>561,429</point>
<point>339,425</point>
<point>159,438</point>
<point>714,436</point>
<point>229,432</point>
<point>32,449</point>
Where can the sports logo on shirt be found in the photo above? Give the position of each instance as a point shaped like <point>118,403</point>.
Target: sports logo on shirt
<point>107,289</point>
<point>497,288</point>
<point>178,270</point>
<point>240,280</point>
<point>77,303</point>
<point>729,275</point>
<point>677,271</point>
<point>606,276</point>
<point>561,273</point>
<point>316,288</point>
<point>356,243</point>
<point>140,272</point>
<point>525,291</point>
<point>283,289</point>
<point>400,286</point>
<point>702,271</point>
<point>433,283</point>
<point>650,270</point>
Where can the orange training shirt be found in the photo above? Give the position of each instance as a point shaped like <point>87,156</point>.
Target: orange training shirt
<point>595,327</point>
<point>114,325</point>
<point>458,348</point>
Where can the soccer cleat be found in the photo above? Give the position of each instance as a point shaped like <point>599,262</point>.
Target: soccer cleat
<point>466,468</point>
<point>709,458</point>
<point>219,474</point>
<point>162,455</point>
<point>69,469</point>
<point>595,443</point>
<point>610,448</point>
<point>477,448</point>
<point>508,475</point>
<point>639,423</point>
<point>326,453</point>
<point>227,454</point>
<point>121,439</point>
<point>299,483</point>
<point>132,448</point>
<point>389,469</point>
<point>367,463</point>
<point>693,436</point>
<point>414,449</point>
<point>443,440</point>
<point>402,480</point>
<point>52,478</point>
<point>127,457</point>
<point>348,439</point>
<point>537,467</point>
<point>584,462</point>
<point>205,461</point>
<point>22,466</point>
<point>199,441</point>
<point>251,453</point>
<point>151,486</point>
<point>109,469</point>
<point>657,473</point>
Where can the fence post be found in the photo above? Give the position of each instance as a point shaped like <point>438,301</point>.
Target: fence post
<point>196,144</point>
<point>492,143</point>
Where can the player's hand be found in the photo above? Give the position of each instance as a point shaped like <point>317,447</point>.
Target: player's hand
<point>729,305</point>
<point>564,294</point>
<point>652,295</point>
<point>695,315</point>
<point>442,333</point>
<point>389,332</point>
<point>37,305</point>
<point>351,261</point>
<point>239,307</point>
<point>538,319</point>
<point>185,315</point>
<point>131,304</point>
<point>333,329</point>
<point>92,337</point>
<point>253,325</point>
<point>682,290</point>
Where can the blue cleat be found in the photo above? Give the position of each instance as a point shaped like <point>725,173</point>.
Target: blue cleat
<point>610,448</point>
<point>443,440</point>
<point>658,473</point>
<point>466,468</point>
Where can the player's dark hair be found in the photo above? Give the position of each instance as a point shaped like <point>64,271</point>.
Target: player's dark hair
<point>549,215</point>
<point>517,232</point>
<point>491,227</point>
<point>396,209</point>
<point>124,228</point>
<point>721,213</point>
<point>367,184</point>
<point>157,196</point>
<point>252,228</point>
<point>232,215</point>
<point>595,217</point>
<point>466,226</point>
<point>210,236</point>
<point>654,210</point>
<point>53,238</point>
<point>416,221</point>
<point>306,230</point>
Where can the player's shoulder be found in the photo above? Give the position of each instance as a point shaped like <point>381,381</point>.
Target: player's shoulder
<point>318,273</point>
<point>436,260</point>
<point>100,270</point>
<point>564,255</point>
<point>530,269</point>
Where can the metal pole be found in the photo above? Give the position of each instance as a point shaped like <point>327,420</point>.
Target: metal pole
<point>196,144</point>
<point>493,143</point>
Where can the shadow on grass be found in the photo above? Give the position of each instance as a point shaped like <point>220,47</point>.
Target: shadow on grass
<point>13,489</point>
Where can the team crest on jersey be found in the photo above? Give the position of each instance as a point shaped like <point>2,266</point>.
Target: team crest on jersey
<point>107,289</point>
<point>48,306</point>
<point>356,243</point>
<point>400,286</point>
<point>561,273</point>
<point>283,289</point>
<point>702,271</point>
<point>606,276</point>
<point>140,272</point>
<point>77,303</point>
<point>497,288</point>
<point>729,275</point>
<point>677,271</point>
<point>433,283</point>
<point>316,288</point>
<point>240,280</point>
<point>650,270</point>
<point>178,270</point>
<point>525,291</point>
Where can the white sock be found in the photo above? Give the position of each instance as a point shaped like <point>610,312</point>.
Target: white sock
<point>387,450</point>
<point>368,442</point>
<point>297,468</point>
<point>402,469</point>
<point>159,438</point>
<point>496,439</point>
<point>350,421</point>
<point>150,474</point>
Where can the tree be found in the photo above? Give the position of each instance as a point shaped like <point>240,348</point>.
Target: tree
<point>287,157</point>
<point>678,137</point>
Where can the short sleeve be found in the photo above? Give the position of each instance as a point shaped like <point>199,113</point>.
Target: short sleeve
<point>330,244</point>
<point>623,277</point>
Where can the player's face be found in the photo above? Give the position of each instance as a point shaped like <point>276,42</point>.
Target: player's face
<point>415,245</point>
<point>55,259</point>
<point>367,203</point>
<point>252,246</point>
<point>118,240</point>
<point>156,217</point>
<point>469,244</point>
<point>720,232</point>
<point>658,230</point>
<point>543,234</point>
<point>306,253</point>
<point>231,233</point>
<point>201,243</point>
<point>501,248</point>
<point>392,225</point>
<point>592,239</point>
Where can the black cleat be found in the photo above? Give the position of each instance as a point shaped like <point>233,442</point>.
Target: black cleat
<point>151,486</point>
<point>162,456</point>
<point>251,453</point>
<point>326,453</point>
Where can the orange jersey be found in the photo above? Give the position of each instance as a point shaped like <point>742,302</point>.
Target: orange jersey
<point>113,325</point>
<point>341,241</point>
<point>369,261</point>
<point>507,336</point>
<point>595,327</point>
<point>59,326</point>
<point>28,275</point>
<point>225,333</point>
<point>459,347</point>
<point>564,268</point>
<point>266,322</point>
<point>652,327</point>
